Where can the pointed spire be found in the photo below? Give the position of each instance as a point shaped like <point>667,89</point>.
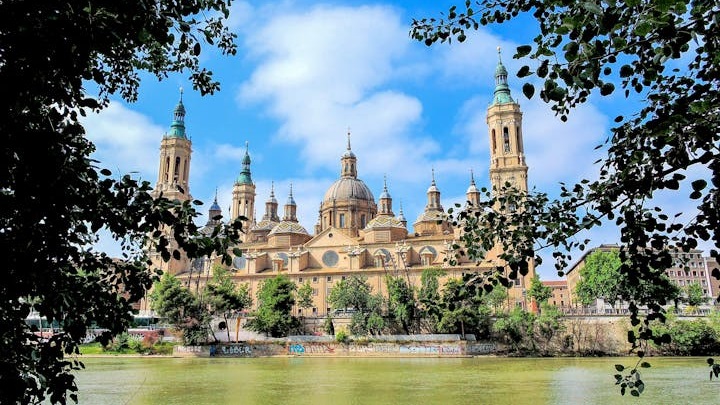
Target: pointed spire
<point>290,208</point>
<point>348,152</point>
<point>401,215</point>
<point>177,127</point>
<point>215,206</point>
<point>385,194</point>
<point>214,211</point>
<point>502,91</point>
<point>272,191</point>
<point>472,191</point>
<point>245,175</point>
<point>291,200</point>
<point>433,176</point>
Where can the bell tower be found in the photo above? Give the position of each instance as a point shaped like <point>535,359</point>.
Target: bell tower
<point>504,120</point>
<point>175,151</point>
<point>173,182</point>
<point>243,195</point>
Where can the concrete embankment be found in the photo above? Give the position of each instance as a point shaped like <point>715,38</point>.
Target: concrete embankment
<point>326,346</point>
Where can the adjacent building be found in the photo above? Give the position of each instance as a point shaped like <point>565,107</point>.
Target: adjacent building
<point>688,268</point>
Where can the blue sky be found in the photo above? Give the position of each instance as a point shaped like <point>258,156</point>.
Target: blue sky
<point>307,71</point>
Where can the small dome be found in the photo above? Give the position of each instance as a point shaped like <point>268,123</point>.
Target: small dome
<point>288,227</point>
<point>384,221</point>
<point>349,188</point>
<point>472,189</point>
<point>430,216</point>
<point>264,225</point>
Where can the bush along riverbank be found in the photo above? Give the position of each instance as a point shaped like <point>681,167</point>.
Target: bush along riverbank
<point>515,335</point>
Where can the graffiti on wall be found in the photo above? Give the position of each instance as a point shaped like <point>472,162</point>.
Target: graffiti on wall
<point>310,348</point>
<point>482,348</point>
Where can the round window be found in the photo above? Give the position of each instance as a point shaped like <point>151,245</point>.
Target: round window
<point>330,258</point>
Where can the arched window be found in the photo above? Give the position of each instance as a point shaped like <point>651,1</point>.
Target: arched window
<point>342,220</point>
<point>167,168</point>
<point>176,169</point>
<point>494,144</point>
<point>362,221</point>
<point>517,140</point>
<point>506,139</point>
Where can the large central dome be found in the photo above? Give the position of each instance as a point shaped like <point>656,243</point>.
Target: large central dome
<point>348,188</point>
<point>348,204</point>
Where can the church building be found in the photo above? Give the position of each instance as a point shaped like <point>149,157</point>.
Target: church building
<point>355,233</point>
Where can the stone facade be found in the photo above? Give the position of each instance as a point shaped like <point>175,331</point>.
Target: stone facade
<point>355,233</point>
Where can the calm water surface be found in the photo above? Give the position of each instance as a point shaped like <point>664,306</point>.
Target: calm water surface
<point>425,381</point>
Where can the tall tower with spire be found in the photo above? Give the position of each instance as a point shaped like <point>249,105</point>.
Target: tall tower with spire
<point>173,181</point>
<point>175,151</point>
<point>504,119</point>
<point>243,195</point>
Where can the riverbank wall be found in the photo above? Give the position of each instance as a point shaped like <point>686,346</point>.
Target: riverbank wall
<point>326,346</point>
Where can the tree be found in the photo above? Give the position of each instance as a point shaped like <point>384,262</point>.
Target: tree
<point>461,310</point>
<point>599,278</point>
<point>401,302</point>
<point>355,293</point>
<point>694,294</point>
<point>304,296</point>
<point>592,47</point>
<point>516,328</point>
<point>538,291</point>
<point>179,307</point>
<point>496,298</point>
<point>55,198</point>
<point>429,299</point>
<point>225,298</point>
<point>547,325</point>
<point>274,312</point>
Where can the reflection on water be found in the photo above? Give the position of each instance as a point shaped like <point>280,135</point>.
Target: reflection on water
<point>425,381</point>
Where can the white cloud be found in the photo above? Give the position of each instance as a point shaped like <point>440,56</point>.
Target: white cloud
<point>322,71</point>
<point>558,151</point>
<point>126,140</point>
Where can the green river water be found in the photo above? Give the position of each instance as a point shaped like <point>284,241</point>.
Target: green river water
<point>423,381</point>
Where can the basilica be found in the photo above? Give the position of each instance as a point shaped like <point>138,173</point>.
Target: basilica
<point>355,233</point>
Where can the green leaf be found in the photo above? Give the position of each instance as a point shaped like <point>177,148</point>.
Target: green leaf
<point>523,50</point>
<point>528,90</point>
<point>698,185</point>
<point>645,364</point>
<point>619,367</point>
<point>592,7</point>
<point>607,89</point>
<point>524,71</point>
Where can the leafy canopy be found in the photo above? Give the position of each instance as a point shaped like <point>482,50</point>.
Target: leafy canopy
<point>663,52</point>
<point>273,315</point>
<point>54,198</point>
